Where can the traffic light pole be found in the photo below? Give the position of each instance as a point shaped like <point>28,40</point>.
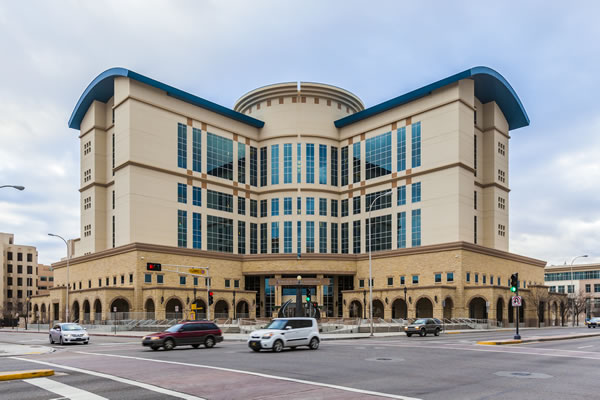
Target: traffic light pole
<point>207,299</point>
<point>517,336</point>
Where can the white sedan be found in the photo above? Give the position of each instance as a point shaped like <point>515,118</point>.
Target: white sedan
<point>68,333</point>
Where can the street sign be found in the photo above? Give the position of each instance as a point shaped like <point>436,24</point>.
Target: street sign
<point>516,301</point>
<point>197,271</point>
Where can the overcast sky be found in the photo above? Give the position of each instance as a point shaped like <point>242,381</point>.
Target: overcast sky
<point>219,50</point>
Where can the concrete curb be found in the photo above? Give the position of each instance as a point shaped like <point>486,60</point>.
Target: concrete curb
<point>537,339</point>
<point>34,373</point>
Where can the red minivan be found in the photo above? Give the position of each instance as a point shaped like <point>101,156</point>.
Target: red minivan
<point>188,333</point>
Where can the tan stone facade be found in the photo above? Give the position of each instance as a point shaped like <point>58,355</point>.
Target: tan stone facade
<point>18,275</point>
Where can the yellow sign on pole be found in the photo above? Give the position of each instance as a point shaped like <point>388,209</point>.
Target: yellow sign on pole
<point>197,271</point>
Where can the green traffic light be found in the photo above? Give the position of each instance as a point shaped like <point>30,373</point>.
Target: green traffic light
<point>513,289</point>
<point>307,299</point>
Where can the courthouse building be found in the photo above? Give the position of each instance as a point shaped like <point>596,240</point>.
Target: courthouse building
<point>282,185</point>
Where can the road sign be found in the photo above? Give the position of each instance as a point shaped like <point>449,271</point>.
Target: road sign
<point>516,301</point>
<point>197,271</point>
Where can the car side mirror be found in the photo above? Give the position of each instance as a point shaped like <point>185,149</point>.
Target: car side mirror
<point>58,329</point>
<point>287,328</point>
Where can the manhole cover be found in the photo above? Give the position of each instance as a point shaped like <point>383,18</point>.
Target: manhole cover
<point>385,359</point>
<point>523,375</point>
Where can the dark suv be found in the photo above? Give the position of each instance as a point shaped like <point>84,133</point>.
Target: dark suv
<point>423,326</point>
<point>192,333</point>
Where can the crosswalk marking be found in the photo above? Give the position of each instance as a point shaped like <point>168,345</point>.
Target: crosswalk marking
<point>63,390</point>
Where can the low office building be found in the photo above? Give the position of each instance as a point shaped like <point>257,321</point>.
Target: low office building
<point>581,283</point>
<point>296,179</point>
<point>18,276</point>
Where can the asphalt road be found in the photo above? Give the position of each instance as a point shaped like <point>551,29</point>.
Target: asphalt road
<point>444,367</point>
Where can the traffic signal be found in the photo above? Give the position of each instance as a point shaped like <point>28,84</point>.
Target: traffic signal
<point>153,266</point>
<point>210,298</point>
<point>307,295</point>
<point>514,281</point>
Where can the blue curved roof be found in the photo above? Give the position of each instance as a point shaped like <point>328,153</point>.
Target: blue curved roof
<point>489,86</point>
<point>102,89</point>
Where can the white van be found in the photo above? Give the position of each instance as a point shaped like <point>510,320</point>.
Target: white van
<point>286,332</point>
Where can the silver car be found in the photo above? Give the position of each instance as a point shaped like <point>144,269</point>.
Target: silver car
<point>68,333</point>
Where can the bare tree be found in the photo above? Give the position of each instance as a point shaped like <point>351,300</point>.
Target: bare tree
<point>579,303</point>
<point>539,296</point>
<point>564,305</point>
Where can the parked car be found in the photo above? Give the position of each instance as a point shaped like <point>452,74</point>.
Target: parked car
<point>423,326</point>
<point>68,333</point>
<point>189,333</point>
<point>286,332</point>
<point>593,322</point>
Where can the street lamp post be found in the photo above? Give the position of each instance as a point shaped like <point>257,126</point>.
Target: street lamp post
<point>370,269</point>
<point>13,186</point>
<point>68,259</point>
<point>26,311</point>
<point>299,297</point>
<point>573,284</point>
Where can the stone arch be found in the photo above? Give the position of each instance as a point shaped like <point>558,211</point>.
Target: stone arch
<point>86,310</point>
<point>35,313</point>
<point>149,308</point>
<point>174,308</point>
<point>522,310</point>
<point>477,308</point>
<point>399,309</point>
<point>201,308</point>
<point>541,312</point>
<point>242,309</point>
<point>448,307</point>
<point>97,310</point>
<point>75,312</point>
<point>424,307</point>
<point>500,309</point>
<point>378,309</point>
<point>43,313</point>
<point>122,307</point>
<point>356,309</point>
<point>221,309</point>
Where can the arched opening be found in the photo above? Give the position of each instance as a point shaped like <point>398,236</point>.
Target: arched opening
<point>221,309</point>
<point>562,313</point>
<point>555,310</point>
<point>399,309</point>
<point>477,308</point>
<point>43,312</point>
<point>97,310</point>
<point>149,309</point>
<point>174,309</point>
<point>378,309</point>
<point>522,311</point>
<point>86,311</point>
<point>242,309</point>
<point>200,309</point>
<point>448,307</point>
<point>424,308</point>
<point>500,310</point>
<point>36,313</point>
<point>119,309</point>
<point>355,309</point>
<point>75,312</point>
<point>541,311</point>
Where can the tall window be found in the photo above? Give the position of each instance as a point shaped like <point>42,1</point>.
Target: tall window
<point>219,235</point>
<point>263,238</point>
<point>310,163</point>
<point>323,206</point>
<point>263,166</point>
<point>322,237</point>
<point>401,147</point>
<point>323,164</point>
<point>299,163</point>
<point>334,166</point>
<point>356,236</point>
<point>253,208</point>
<point>274,237</point>
<point>274,207</point>
<point>241,205</point>
<point>416,227</point>
<point>219,201</point>
<point>334,208</point>
<point>181,228</point>
<point>416,192</point>
<point>380,231</point>
<point>114,228</point>
<point>196,149</point>
<point>381,202</point>
<point>344,238</point>
<point>475,229</point>
<point>402,230</point>
<point>241,237</point>
<point>378,156</point>
<point>181,146</point>
<point>356,205</point>
<point>287,206</point>
<point>475,154</point>
<point>298,205</point>
<point>219,156</point>
<point>334,237</point>
<point>241,162</point>
<point>263,208</point>
<point>344,165</point>
<point>287,163</point>
<point>345,208</point>
<point>416,144</point>
<point>310,206</point>
<point>299,237</point>
<point>310,237</point>
<point>356,162</point>
<point>253,238</point>
<point>274,164</point>
<point>287,237</point>
<point>182,193</point>
<point>253,166</point>
<point>113,154</point>
<point>196,196</point>
<point>196,231</point>
<point>401,192</point>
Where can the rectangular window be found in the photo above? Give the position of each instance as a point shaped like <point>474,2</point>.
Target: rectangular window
<point>253,238</point>
<point>356,162</point>
<point>299,163</point>
<point>345,208</point>
<point>415,279</point>
<point>241,237</point>
<point>322,206</point>
<point>450,277</point>
<point>113,154</point>
<point>196,196</point>
<point>334,166</point>
<point>114,230</point>
<point>310,206</point>
<point>299,237</point>
<point>401,230</point>
<point>160,279</point>
<point>227,283</point>
<point>401,148</point>
<point>416,145</point>
<point>274,164</point>
<point>361,283</point>
<point>274,207</point>
<point>380,233</point>
<point>475,153</point>
<point>147,278</point>
<point>416,192</point>
<point>416,228</point>
<point>253,208</point>
<point>113,199</point>
<point>241,205</point>
<point>402,280</point>
<point>322,237</point>
<point>596,288</point>
<point>196,150</point>
<point>219,234</point>
<point>274,237</point>
<point>498,281</point>
<point>384,201</point>
<point>287,237</point>
<point>263,238</point>
<point>287,163</point>
<point>310,237</point>
<point>390,281</point>
<point>401,194</point>
<point>468,278</point>
<point>475,199</point>
<point>323,164</point>
<point>263,166</point>
<point>334,237</point>
<point>483,279</point>
<point>253,166</point>
<point>476,278</point>
<point>310,163</point>
<point>475,229</point>
<point>263,208</point>
<point>356,236</point>
<point>182,193</point>
<point>241,162</point>
<point>588,288</point>
<point>287,206</point>
<point>378,156</point>
<point>438,278</point>
<point>356,205</point>
<point>345,237</point>
<point>219,201</point>
<point>182,280</point>
<point>196,231</point>
<point>181,228</point>
<point>219,156</point>
<point>344,165</point>
<point>334,208</point>
<point>236,283</point>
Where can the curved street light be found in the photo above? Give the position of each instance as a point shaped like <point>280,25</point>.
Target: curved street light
<point>68,284</point>
<point>13,186</point>
<point>573,284</point>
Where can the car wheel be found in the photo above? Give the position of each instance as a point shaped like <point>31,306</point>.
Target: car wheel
<point>422,332</point>
<point>209,342</point>
<point>589,326</point>
<point>85,342</point>
<point>277,346</point>
<point>155,347</point>
<point>169,344</point>
<point>195,346</point>
<point>314,343</point>
<point>437,332</point>
<point>409,334</point>
<point>51,340</point>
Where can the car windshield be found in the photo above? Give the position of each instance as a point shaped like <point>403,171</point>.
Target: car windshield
<point>277,324</point>
<point>71,327</point>
<point>174,328</point>
<point>420,321</point>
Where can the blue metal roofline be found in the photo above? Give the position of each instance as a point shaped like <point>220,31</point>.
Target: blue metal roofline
<point>102,89</point>
<point>489,85</point>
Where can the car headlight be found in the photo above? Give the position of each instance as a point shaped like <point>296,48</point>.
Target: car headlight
<point>155,338</point>
<point>267,335</point>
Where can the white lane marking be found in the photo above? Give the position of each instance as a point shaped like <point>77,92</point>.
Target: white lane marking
<point>281,378</point>
<point>146,386</point>
<point>116,343</point>
<point>585,347</point>
<point>63,390</point>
